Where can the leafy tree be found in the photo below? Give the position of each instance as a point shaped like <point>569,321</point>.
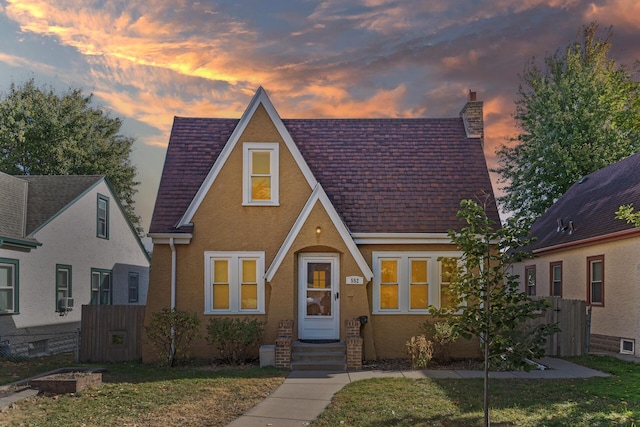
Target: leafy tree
<point>487,301</point>
<point>577,115</point>
<point>628,214</point>
<point>43,133</point>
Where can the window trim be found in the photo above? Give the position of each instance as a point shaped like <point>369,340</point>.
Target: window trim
<point>528,288</point>
<point>101,273</point>
<point>434,279</point>
<point>15,266</point>
<point>137,287</point>
<point>273,148</point>
<point>235,266</point>
<point>551,267</point>
<point>590,260</point>
<point>69,270</point>
<point>99,234</point>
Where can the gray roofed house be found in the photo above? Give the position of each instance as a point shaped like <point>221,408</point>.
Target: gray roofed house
<point>584,252</point>
<point>64,242</point>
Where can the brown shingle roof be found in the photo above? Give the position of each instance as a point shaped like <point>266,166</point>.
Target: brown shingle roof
<point>382,175</point>
<point>591,204</point>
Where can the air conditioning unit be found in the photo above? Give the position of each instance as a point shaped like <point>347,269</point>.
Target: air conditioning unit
<point>65,304</point>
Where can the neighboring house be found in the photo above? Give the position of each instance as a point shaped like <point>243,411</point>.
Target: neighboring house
<point>314,220</point>
<point>64,242</point>
<point>583,252</point>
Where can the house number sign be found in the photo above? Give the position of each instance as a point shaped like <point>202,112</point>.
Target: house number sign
<point>355,280</point>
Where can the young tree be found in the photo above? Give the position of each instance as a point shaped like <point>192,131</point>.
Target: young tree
<point>42,133</point>
<point>627,213</point>
<point>487,301</point>
<point>577,115</point>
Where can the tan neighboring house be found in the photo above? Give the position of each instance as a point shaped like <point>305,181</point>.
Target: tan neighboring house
<point>583,252</point>
<point>313,221</point>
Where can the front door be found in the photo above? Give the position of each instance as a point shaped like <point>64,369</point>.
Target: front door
<point>318,291</point>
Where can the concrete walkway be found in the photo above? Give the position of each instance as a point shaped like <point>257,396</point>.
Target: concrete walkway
<point>305,394</point>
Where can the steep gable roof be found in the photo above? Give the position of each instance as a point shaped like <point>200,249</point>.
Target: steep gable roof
<point>587,209</point>
<point>49,194</point>
<point>382,175</point>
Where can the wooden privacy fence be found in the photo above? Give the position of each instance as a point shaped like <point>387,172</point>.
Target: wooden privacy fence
<point>111,333</point>
<point>570,315</point>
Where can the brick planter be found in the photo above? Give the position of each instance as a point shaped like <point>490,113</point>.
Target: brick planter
<point>69,382</point>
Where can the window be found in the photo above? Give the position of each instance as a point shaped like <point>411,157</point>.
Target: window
<point>102,217</point>
<point>134,280</point>
<point>260,180</point>
<point>595,285</point>
<point>9,274</point>
<point>234,282</point>
<point>411,282</point>
<point>555,279</point>
<point>63,283</point>
<point>530,275</point>
<point>101,287</point>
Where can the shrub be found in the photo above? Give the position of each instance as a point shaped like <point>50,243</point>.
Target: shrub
<point>420,350</point>
<point>442,335</point>
<point>171,331</point>
<point>235,338</point>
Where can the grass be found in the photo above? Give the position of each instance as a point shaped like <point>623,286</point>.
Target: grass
<point>145,395</point>
<point>399,402</point>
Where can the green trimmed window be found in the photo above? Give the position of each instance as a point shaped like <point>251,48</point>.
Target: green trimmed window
<point>102,217</point>
<point>101,289</point>
<point>9,278</point>
<point>134,284</point>
<point>63,284</point>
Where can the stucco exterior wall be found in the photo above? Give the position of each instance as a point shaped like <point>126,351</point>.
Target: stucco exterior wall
<point>619,317</point>
<point>70,239</point>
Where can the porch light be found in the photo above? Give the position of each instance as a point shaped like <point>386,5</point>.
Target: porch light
<point>318,230</point>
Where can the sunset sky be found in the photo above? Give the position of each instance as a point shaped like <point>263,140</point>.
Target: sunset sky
<point>148,61</point>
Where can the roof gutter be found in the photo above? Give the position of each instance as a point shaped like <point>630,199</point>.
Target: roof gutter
<point>624,234</point>
<point>18,243</point>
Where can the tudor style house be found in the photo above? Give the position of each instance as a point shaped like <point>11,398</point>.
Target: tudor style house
<point>64,242</point>
<point>583,252</point>
<point>312,223</point>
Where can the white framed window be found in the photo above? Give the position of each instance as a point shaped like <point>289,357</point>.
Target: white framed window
<point>260,177</point>
<point>627,346</point>
<point>9,286</point>
<point>234,282</point>
<point>409,282</point>
<point>595,285</point>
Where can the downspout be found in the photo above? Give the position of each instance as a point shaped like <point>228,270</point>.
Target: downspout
<point>173,297</point>
<point>173,273</point>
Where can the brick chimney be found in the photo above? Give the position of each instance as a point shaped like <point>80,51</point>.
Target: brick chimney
<point>472,117</point>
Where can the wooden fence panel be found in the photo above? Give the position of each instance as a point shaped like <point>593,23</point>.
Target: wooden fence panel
<point>111,333</point>
<point>570,315</point>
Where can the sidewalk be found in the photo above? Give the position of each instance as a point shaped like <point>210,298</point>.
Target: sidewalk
<point>305,394</point>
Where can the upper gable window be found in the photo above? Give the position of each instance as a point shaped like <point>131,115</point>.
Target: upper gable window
<point>102,217</point>
<point>260,179</point>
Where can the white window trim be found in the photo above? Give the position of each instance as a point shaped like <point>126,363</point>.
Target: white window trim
<point>234,259</point>
<point>247,149</point>
<point>404,279</point>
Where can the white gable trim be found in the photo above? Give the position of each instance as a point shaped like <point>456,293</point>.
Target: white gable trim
<point>400,238</point>
<point>318,194</point>
<point>260,97</point>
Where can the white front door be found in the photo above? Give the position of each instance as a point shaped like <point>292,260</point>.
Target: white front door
<point>318,291</point>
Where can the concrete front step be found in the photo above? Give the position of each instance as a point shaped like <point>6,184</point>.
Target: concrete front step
<point>318,357</point>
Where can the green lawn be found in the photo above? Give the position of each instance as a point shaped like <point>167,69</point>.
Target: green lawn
<point>449,402</point>
<point>144,395</point>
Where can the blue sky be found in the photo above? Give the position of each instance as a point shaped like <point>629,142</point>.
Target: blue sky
<point>148,61</point>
